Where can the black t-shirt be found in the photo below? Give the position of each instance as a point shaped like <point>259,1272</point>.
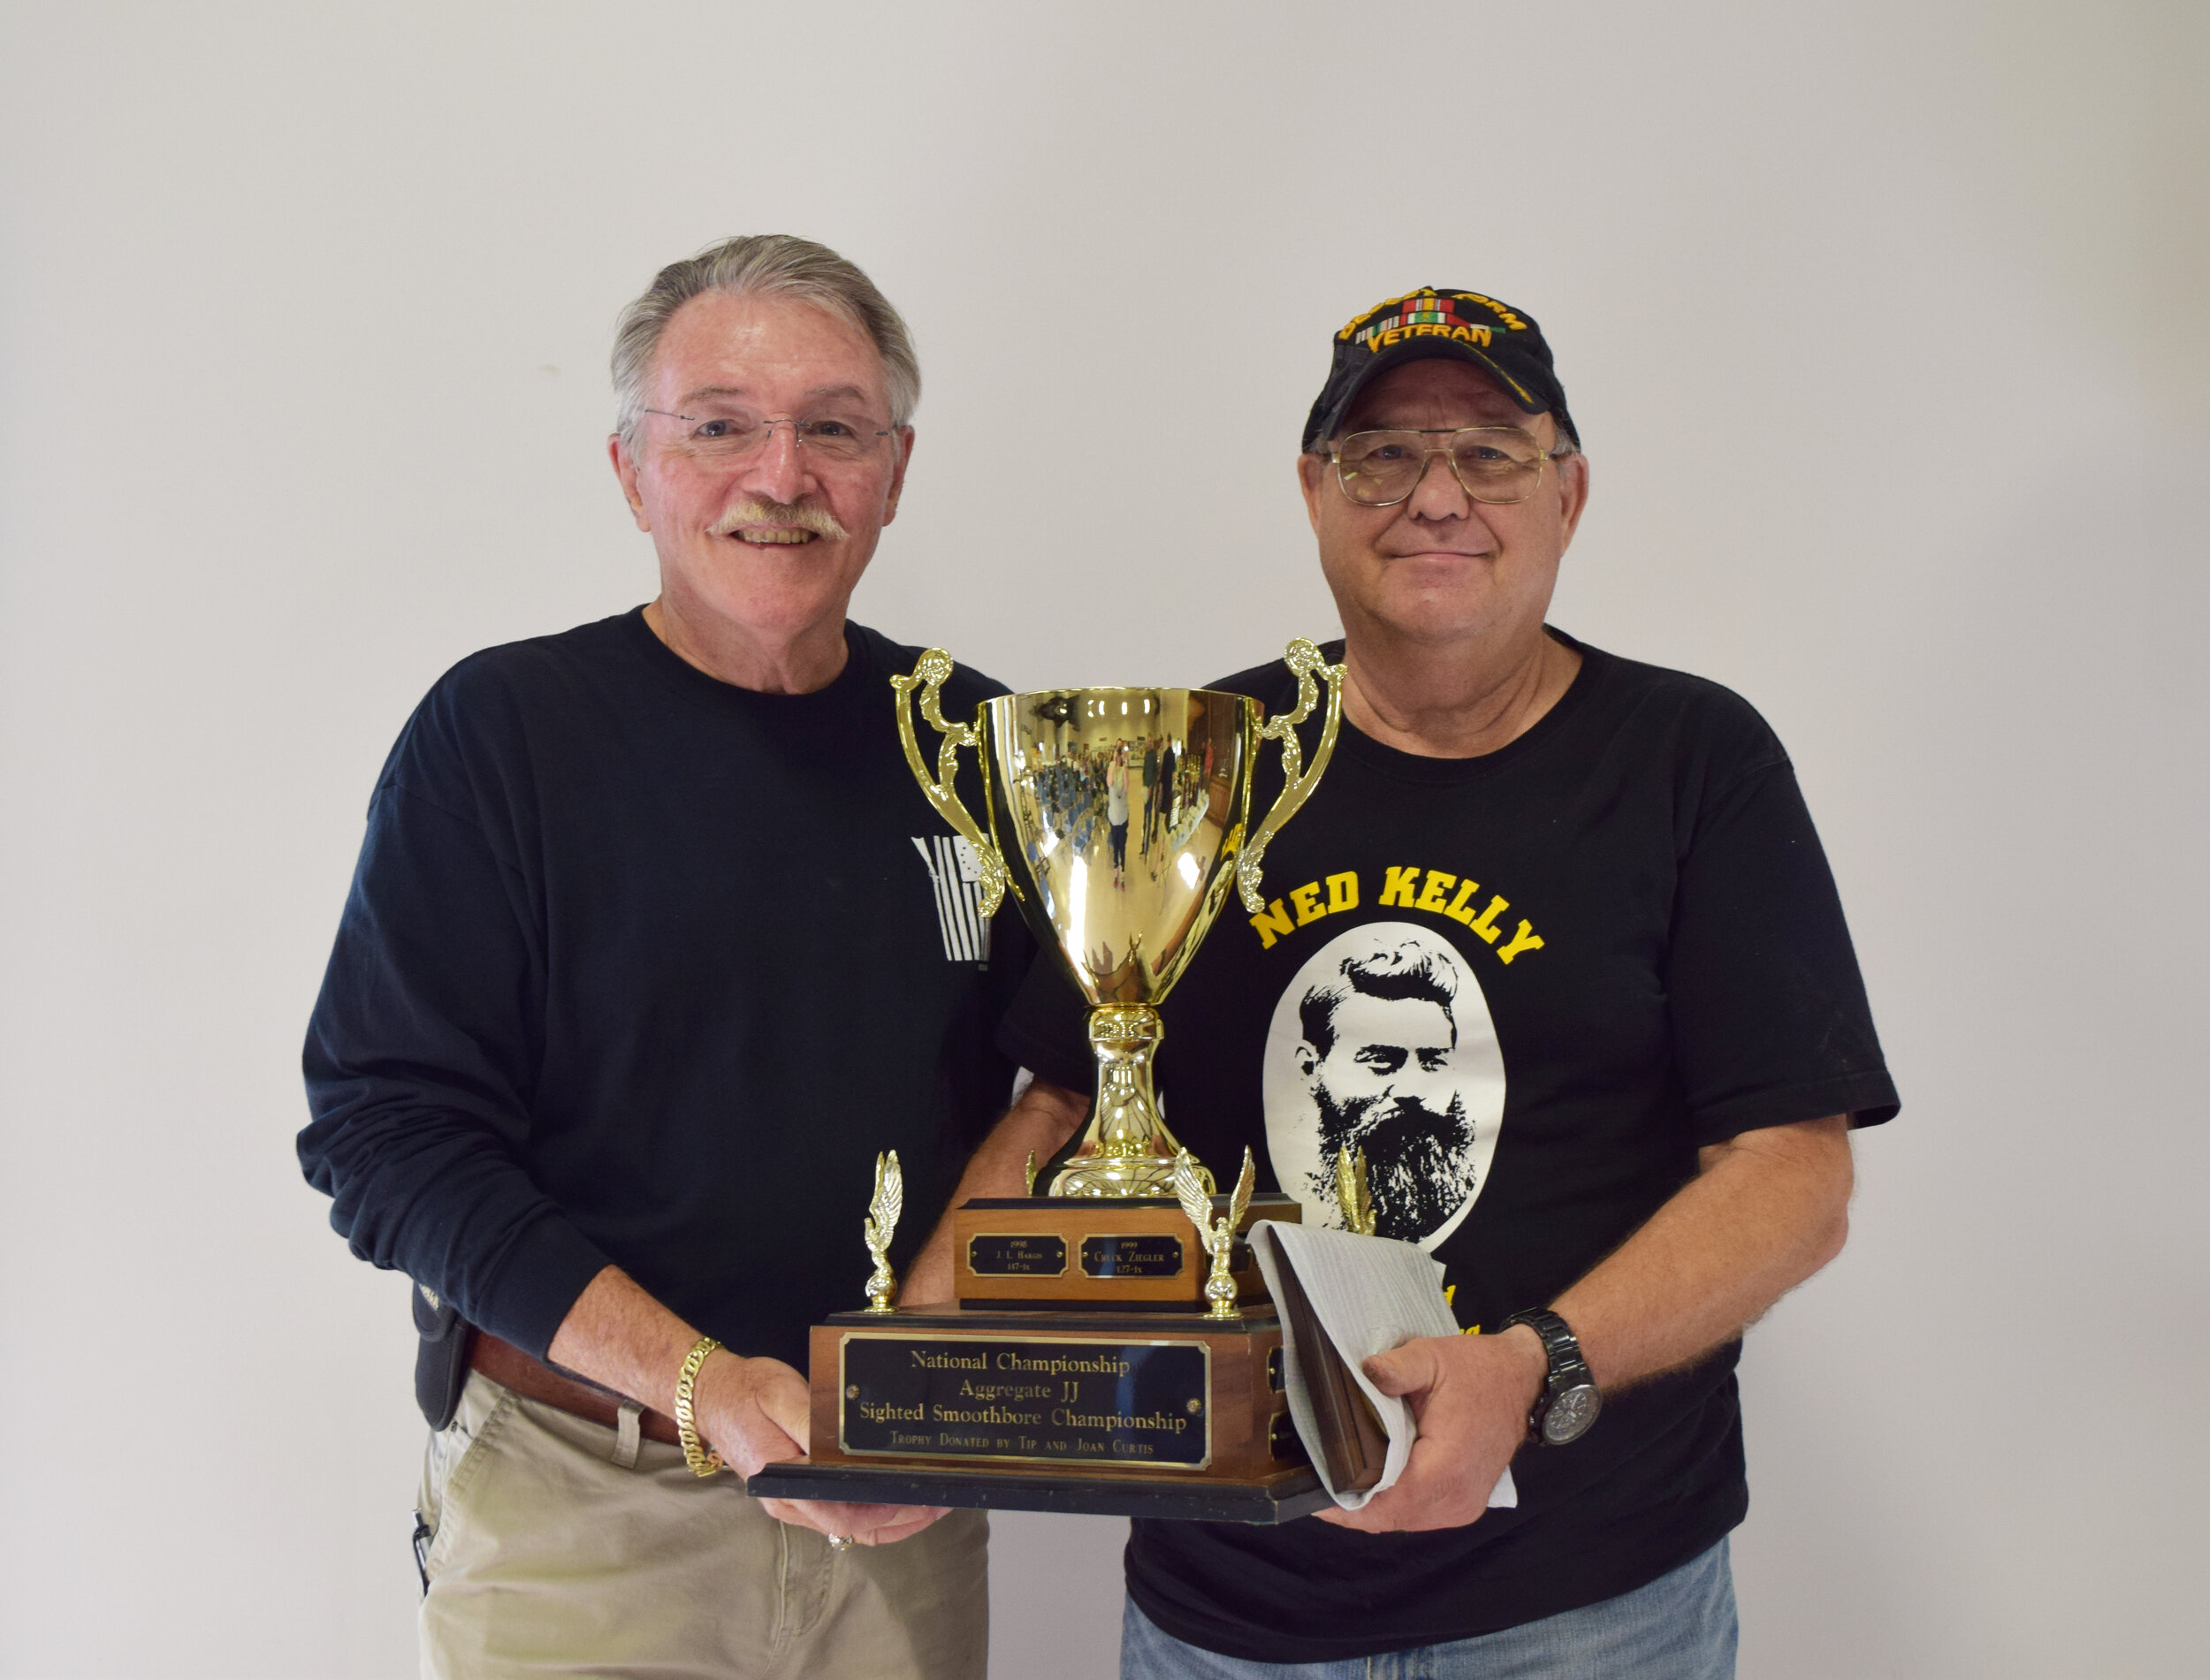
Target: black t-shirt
<point>1530,985</point>
<point>640,967</point>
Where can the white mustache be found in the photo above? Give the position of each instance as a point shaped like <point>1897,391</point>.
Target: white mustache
<point>753,510</point>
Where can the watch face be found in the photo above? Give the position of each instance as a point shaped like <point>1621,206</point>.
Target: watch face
<point>1570,1413</point>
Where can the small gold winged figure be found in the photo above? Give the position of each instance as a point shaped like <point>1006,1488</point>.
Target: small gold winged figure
<point>1351,1198</point>
<point>1217,1237</point>
<point>882,1222</point>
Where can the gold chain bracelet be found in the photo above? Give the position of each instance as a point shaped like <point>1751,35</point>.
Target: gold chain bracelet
<point>702,1462</point>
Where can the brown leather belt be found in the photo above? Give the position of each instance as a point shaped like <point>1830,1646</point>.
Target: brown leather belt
<point>532,1379</point>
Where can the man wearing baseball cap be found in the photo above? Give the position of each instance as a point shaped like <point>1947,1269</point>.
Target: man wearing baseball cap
<point>1555,946</point>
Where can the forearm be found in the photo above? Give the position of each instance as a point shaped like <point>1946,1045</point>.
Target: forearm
<point>621,1338</point>
<point>1040,1123</point>
<point>1767,1209</point>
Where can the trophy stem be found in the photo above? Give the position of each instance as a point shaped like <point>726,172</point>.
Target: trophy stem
<point>1127,1150</point>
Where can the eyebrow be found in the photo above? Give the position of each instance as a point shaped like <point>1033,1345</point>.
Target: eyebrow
<point>740,391</point>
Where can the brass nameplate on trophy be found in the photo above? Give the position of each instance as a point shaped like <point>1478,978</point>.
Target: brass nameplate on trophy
<point>1149,1256</point>
<point>1095,1253</point>
<point>1045,1401</point>
<point>1015,1254</point>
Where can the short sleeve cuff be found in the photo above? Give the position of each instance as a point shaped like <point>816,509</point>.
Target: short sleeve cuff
<point>1868,1097</point>
<point>1043,1057</point>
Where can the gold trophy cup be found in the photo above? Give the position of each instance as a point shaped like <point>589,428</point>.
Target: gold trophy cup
<point>1125,811</point>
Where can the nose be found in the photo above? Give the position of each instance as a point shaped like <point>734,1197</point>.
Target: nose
<point>779,470</point>
<point>1438,495</point>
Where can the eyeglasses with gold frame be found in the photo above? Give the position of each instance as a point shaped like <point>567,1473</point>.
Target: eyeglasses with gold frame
<point>1498,465</point>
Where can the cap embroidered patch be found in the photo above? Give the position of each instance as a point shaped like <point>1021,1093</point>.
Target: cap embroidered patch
<point>1470,326</point>
<point>1430,308</point>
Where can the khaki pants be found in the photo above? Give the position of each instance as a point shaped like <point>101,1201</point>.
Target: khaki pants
<point>561,1547</point>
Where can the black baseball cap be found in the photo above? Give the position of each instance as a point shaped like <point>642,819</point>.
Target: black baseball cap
<point>1465,326</point>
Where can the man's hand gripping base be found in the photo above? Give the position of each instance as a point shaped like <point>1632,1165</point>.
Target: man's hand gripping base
<point>1470,1396</point>
<point>758,1411</point>
<point>753,1411</point>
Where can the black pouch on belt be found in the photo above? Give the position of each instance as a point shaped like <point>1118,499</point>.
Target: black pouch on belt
<point>441,1358</point>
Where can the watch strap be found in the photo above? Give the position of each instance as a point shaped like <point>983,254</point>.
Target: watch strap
<point>1569,1370</point>
<point>1566,1366</point>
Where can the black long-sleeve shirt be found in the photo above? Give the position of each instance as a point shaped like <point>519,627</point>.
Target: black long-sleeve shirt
<point>641,967</point>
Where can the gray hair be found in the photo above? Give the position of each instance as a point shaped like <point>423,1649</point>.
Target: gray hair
<point>756,265</point>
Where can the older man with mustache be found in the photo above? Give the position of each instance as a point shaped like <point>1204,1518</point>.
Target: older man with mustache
<point>630,896</point>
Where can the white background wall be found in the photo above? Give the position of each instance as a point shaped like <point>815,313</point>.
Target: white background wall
<point>1884,323</point>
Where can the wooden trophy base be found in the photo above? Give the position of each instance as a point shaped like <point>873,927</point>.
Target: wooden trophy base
<point>1131,1414</point>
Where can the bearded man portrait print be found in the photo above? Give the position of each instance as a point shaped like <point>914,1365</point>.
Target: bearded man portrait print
<point>1383,1042</point>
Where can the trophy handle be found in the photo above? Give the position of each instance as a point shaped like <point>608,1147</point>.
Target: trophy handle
<point>929,677</point>
<point>1307,661</point>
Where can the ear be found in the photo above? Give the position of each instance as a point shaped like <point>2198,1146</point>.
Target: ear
<point>1573,492</point>
<point>903,443</point>
<point>1307,1058</point>
<point>625,469</point>
<point>1312,478</point>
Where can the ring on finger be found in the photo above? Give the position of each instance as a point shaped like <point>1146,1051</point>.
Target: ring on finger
<point>840,1542</point>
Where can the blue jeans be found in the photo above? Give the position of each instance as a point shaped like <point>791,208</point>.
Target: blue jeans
<point>1680,1627</point>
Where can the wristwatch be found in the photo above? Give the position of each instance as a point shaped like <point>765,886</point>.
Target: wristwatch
<point>1569,1400</point>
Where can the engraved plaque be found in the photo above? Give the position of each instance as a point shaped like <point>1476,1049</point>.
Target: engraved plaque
<point>1016,1254</point>
<point>1282,1440</point>
<point>1274,1370</point>
<point>1131,1257</point>
<point>1044,1400</point>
